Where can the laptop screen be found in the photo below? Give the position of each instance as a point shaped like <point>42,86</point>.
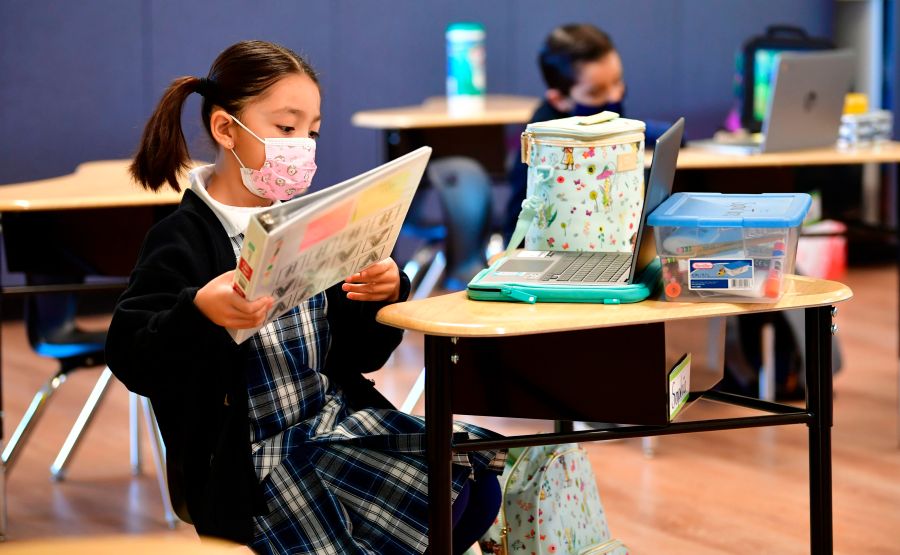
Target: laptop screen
<point>662,173</point>
<point>807,99</point>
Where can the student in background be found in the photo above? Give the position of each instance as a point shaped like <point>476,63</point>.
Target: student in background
<point>583,74</point>
<point>279,442</point>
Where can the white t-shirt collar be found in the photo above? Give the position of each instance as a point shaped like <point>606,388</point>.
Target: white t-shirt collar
<point>234,219</point>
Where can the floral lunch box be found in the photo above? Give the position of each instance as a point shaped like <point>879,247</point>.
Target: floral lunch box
<point>585,182</point>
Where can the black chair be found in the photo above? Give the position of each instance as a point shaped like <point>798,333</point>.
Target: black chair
<point>52,333</point>
<point>464,189</point>
<point>424,229</point>
<point>51,330</point>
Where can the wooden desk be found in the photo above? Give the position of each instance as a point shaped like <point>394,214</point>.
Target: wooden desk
<point>498,110</point>
<point>129,545</point>
<point>692,158</point>
<point>473,350</point>
<point>98,184</point>
<point>479,135</point>
<point>97,213</point>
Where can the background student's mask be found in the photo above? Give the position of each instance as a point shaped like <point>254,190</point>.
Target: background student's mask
<point>287,171</point>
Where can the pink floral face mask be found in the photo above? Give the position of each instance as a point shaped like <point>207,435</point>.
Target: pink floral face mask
<point>288,170</point>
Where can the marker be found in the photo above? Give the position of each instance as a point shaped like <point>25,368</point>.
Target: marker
<point>773,280</point>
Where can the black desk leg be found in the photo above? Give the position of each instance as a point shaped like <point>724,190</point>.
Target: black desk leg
<point>438,430</point>
<point>819,403</point>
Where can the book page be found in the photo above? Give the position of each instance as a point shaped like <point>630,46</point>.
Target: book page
<point>294,256</point>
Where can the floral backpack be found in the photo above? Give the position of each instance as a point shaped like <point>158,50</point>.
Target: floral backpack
<point>550,505</point>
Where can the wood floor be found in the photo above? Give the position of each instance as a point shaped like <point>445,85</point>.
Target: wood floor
<point>718,492</point>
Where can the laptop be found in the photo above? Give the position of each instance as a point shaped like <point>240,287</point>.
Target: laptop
<point>805,106</point>
<point>608,277</point>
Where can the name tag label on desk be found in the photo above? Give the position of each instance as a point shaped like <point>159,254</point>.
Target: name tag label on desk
<point>679,386</point>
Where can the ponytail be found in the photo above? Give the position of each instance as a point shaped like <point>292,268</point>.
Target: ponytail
<point>163,154</point>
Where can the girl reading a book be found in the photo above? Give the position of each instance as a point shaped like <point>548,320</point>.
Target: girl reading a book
<point>279,442</point>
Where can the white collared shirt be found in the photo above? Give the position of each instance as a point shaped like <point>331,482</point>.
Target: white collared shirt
<point>233,218</point>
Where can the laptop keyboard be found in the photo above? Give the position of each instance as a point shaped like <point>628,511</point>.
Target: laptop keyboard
<point>592,268</point>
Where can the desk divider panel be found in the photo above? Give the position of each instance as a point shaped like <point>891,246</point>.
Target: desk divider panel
<point>99,241</point>
<point>604,375</point>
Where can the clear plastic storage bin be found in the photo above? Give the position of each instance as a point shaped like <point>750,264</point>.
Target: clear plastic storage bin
<point>718,247</point>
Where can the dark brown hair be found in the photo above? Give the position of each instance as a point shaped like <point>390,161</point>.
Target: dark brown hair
<point>565,48</point>
<point>240,73</point>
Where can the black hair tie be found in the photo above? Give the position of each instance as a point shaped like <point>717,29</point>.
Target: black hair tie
<point>205,88</point>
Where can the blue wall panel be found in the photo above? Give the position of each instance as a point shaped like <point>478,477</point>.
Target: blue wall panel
<point>70,85</point>
<point>396,56</point>
<point>80,79</point>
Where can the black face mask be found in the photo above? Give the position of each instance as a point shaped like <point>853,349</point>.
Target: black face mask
<point>591,109</point>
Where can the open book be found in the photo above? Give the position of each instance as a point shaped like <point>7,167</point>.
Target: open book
<point>302,247</point>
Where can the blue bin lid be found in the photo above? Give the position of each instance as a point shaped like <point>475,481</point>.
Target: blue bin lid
<point>725,210</point>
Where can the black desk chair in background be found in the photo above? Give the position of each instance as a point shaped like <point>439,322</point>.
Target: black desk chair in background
<point>451,215</point>
<point>464,189</point>
<point>424,228</point>
<point>53,333</point>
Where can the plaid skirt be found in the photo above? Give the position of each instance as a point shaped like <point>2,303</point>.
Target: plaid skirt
<point>336,481</point>
<point>356,482</point>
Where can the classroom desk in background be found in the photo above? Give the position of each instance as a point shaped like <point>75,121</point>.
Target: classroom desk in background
<point>90,222</point>
<point>475,349</point>
<point>708,170</point>
<point>480,135</point>
<point>692,158</point>
<point>126,544</point>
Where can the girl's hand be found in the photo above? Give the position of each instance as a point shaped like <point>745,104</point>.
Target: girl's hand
<point>378,282</point>
<point>224,307</point>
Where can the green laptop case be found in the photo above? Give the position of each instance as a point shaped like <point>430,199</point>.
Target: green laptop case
<point>538,293</point>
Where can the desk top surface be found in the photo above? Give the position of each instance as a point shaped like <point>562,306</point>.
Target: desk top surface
<point>498,110</point>
<point>690,158</point>
<point>130,544</point>
<point>97,184</point>
<point>457,316</point>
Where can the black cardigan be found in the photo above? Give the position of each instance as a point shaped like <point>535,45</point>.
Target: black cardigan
<point>161,346</point>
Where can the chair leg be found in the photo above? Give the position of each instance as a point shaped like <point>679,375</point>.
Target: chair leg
<point>29,420</point>
<point>431,277</point>
<point>767,369</point>
<point>158,449</point>
<point>58,468</point>
<point>419,260</point>
<point>648,445</point>
<point>3,520</point>
<point>134,447</point>
<point>414,394</point>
